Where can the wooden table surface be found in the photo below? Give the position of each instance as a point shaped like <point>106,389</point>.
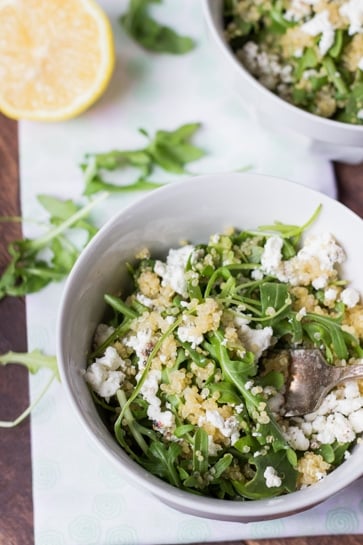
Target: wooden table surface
<point>16,511</point>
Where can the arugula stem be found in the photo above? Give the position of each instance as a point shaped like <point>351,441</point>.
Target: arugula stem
<point>127,414</point>
<point>28,410</point>
<point>37,244</point>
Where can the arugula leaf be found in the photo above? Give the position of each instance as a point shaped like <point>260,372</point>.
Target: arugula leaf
<point>28,271</point>
<point>34,361</point>
<point>256,488</point>
<point>150,34</point>
<point>354,104</point>
<point>162,460</point>
<point>275,297</point>
<point>168,150</point>
<point>327,330</point>
<point>291,231</point>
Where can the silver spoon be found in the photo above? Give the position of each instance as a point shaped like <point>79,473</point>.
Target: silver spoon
<point>311,378</point>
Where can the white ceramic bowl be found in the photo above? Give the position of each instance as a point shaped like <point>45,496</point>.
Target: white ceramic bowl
<point>192,209</point>
<point>331,139</point>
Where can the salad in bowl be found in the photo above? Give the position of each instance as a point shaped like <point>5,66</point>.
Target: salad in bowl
<point>190,370</point>
<point>172,339</point>
<point>308,52</point>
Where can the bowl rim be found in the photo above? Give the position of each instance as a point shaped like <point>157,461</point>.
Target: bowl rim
<point>275,99</point>
<point>184,501</point>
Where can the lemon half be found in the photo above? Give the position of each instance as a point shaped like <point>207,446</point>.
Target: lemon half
<point>56,57</point>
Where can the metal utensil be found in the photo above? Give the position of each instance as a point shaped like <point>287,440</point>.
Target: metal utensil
<point>311,378</point>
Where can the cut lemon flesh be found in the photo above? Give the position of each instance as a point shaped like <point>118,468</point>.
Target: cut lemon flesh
<point>56,57</point>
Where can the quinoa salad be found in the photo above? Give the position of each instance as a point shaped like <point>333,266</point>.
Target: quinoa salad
<point>308,52</point>
<point>189,368</point>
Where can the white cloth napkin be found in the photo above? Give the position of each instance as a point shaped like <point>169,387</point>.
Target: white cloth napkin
<point>79,498</point>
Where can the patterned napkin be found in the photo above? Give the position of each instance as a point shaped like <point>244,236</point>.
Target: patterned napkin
<point>79,498</point>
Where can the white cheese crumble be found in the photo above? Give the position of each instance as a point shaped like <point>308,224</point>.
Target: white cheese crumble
<point>185,334</point>
<point>330,295</point>
<point>313,263</point>
<point>105,375</point>
<point>298,9</point>
<point>350,297</point>
<point>254,340</point>
<point>360,65</point>
<point>140,343</point>
<point>271,256</point>
<point>164,421</point>
<point>228,427</point>
<point>353,11</point>
<point>173,271</point>
<point>146,301</point>
<point>272,478</point>
<point>320,24</point>
<point>103,332</point>
<point>339,418</point>
<point>296,438</point>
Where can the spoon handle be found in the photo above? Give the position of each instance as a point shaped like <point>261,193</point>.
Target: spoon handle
<point>351,371</point>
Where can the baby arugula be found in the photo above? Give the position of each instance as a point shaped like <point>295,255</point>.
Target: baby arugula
<point>168,150</point>
<point>34,361</point>
<point>35,262</point>
<point>150,34</point>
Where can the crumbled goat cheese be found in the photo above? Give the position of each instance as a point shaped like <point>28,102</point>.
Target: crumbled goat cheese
<point>356,420</point>
<point>339,417</point>
<point>296,438</point>
<point>105,375</point>
<point>213,448</point>
<point>300,315</point>
<point>271,256</point>
<point>360,112</point>
<point>298,9</point>
<point>350,297</point>
<point>185,334</point>
<point>272,478</point>
<point>330,295</point>
<point>335,427</point>
<point>320,24</point>
<point>323,247</point>
<point>360,66</point>
<point>103,332</point>
<point>173,271</point>
<point>141,343</point>
<point>146,301</point>
<point>276,402</point>
<point>164,421</point>
<point>228,427</point>
<point>353,11</point>
<point>321,250</point>
<point>254,340</point>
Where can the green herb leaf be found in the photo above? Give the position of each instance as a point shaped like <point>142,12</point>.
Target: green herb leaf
<point>168,150</point>
<point>28,271</point>
<point>34,361</point>
<point>256,488</point>
<point>162,461</point>
<point>150,34</point>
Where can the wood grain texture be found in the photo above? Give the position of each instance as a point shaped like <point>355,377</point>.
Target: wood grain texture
<point>350,186</point>
<point>16,511</point>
